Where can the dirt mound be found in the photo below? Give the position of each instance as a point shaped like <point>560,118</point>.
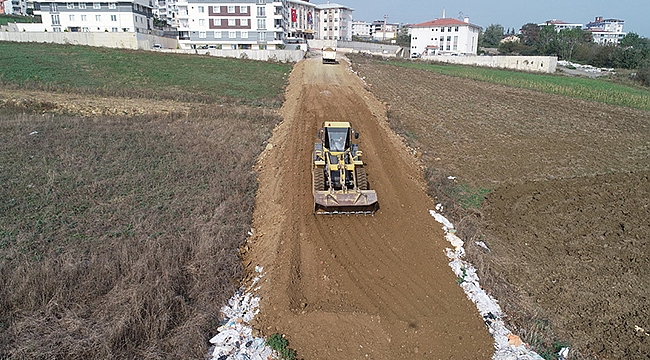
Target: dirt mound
<point>354,287</point>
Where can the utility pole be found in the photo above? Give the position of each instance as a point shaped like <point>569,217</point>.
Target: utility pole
<point>385,19</point>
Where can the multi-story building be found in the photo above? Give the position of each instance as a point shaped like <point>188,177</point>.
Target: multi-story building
<point>561,25</point>
<point>361,29</point>
<point>606,31</point>
<point>335,22</point>
<point>444,36</point>
<point>300,20</point>
<point>381,30</point>
<point>165,10</point>
<point>13,7</point>
<point>112,16</point>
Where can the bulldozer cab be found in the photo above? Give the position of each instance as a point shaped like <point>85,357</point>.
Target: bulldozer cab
<point>337,139</point>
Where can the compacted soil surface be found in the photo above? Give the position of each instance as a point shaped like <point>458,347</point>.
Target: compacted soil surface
<point>361,286</point>
<point>567,217</point>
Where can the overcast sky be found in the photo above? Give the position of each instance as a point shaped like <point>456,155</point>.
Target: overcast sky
<point>509,13</point>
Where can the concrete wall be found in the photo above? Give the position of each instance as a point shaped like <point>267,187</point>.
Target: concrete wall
<point>355,46</point>
<point>119,40</point>
<point>545,64</point>
<point>135,41</point>
<point>261,55</point>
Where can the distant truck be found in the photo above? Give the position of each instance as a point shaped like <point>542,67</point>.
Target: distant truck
<point>329,55</point>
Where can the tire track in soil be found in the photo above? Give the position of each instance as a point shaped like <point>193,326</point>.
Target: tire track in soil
<point>354,287</point>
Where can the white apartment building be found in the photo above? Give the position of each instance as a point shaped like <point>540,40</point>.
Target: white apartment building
<point>245,24</point>
<point>561,25</point>
<point>335,22</point>
<point>165,10</point>
<point>444,36</point>
<point>112,16</point>
<point>13,7</point>
<point>300,21</point>
<point>606,31</point>
<point>361,29</point>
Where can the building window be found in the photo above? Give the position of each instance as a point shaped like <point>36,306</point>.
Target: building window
<point>231,22</point>
<point>114,30</point>
<point>456,29</point>
<point>244,34</point>
<point>71,17</point>
<point>85,29</point>
<point>261,36</point>
<point>261,23</point>
<point>243,9</point>
<point>201,22</point>
<point>243,22</point>
<point>112,6</point>
<point>442,29</point>
<point>201,9</point>
<point>84,17</point>
<point>82,5</point>
<point>97,6</point>
<point>261,11</point>
<point>217,34</point>
<point>260,1</point>
<point>55,7</point>
<point>70,6</point>
<point>98,18</point>
<point>216,9</point>
<point>202,35</point>
<point>114,18</point>
<point>56,29</point>
<point>231,9</point>
<point>232,34</point>
<point>56,20</point>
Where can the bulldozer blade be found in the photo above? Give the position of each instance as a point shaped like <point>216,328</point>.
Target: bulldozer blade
<point>361,202</point>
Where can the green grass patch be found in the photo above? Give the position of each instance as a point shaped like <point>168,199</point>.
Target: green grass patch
<point>6,19</point>
<point>600,90</point>
<point>469,197</point>
<point>141,74</point>
<point>278,343</point>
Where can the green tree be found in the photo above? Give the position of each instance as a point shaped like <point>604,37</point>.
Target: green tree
<point>403,37</point>
<point>547,40</point>
<point>631,40</point>
<point>568,40</point>
<point>492,35</point>
<point>530,34</point>
<point>643,73</point>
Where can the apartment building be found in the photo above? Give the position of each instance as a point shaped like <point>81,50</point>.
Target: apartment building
<point>361,29</point>
<point>561,25</point>
<point>335,22</point>
<point>112,16</point>
<point>13,7</point>
<point>606,31</point>
<point>301,20</point>
<point>165,10</point>
<point>444,36</point>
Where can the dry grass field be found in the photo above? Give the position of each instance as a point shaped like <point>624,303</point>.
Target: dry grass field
<point>567,206</point>
<point>121,217</point>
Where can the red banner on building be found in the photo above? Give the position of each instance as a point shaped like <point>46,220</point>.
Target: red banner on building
<point>294,16</point>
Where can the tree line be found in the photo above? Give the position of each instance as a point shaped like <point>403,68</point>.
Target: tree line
<point>577,45</point>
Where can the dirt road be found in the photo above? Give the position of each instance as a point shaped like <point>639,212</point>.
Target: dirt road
<point>354,287</point>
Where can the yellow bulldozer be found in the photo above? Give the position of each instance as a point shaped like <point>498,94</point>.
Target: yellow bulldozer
<point>340,182</point>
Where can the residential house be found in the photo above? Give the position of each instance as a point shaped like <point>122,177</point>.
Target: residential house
<point>112,16</point>
<point>445,36</point>
<point>335,22</point>
<point>606,31</point>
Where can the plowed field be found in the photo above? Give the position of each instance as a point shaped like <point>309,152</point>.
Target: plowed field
<point>354,287</point>
<point>567,219</point>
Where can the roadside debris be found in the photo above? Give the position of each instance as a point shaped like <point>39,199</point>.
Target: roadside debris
<point>235,340</point>
<point>507,345</point>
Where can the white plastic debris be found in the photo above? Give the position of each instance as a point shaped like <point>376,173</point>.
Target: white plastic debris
<point>563,354</point>
<point>33,133</point>
<point>235,340</point>
<point>488,307</point>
